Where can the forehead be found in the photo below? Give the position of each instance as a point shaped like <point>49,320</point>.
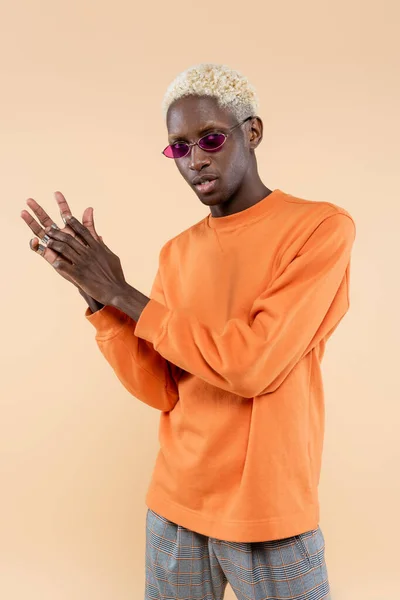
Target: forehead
<point>188,116</point>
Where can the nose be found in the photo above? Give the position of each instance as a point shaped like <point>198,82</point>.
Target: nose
<point>198,158</point>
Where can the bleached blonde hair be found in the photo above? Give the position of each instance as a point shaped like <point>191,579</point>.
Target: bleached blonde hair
<point>230,88</point>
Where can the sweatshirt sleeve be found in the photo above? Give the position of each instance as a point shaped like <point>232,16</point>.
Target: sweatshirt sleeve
<point>301,307</point>
<point>141,369</point>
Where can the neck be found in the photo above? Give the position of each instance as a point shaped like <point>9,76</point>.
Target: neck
<point>251,191</point>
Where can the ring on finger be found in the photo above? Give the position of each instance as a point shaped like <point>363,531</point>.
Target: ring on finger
<point>46,238</point>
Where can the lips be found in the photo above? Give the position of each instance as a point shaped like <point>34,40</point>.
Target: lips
<point>203,179</point>
<point>205,184</point>
<point>207,187</point>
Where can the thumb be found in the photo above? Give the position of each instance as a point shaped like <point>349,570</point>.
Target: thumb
<point>88,222</point>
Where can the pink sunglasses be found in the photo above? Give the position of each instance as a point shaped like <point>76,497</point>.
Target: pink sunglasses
<point>210,143</point>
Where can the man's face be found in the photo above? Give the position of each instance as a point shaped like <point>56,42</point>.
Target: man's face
<point>192,117</point>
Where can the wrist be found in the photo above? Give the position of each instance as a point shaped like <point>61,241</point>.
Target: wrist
<point>129,301</point>
<point>121,294</point>
<point>93,304</point>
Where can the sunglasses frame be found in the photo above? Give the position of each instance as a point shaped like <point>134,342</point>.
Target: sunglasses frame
<point>226,135</point>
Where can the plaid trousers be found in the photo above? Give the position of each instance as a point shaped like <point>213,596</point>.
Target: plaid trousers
<point>184,565</point>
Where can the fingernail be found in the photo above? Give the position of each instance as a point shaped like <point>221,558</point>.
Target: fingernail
<point>31,243</point>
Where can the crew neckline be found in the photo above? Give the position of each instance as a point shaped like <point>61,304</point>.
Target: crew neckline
<point>246,216</point>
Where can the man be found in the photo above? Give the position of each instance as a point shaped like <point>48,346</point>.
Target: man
<point>228,347</point>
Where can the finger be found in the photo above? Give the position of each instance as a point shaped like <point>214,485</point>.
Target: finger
<point>32,223</point>
<point>65,245</point>
<point>54,259</point>
<point>88,222</point>
<point>65,211</point>
<point>48,254</point>
<point>64,251</point>
<point>63,206</point>
<point>41,214</point>
<point>82,231</point>
<point>34,244</point>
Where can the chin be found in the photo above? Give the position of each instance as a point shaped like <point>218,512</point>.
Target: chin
<point>211,199</point>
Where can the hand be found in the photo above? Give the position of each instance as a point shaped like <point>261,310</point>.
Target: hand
<point>39,230</point>
<point>87,262</point>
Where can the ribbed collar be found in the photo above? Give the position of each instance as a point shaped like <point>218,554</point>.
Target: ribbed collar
<point>244,217</point>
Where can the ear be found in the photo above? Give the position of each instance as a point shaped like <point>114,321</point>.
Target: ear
<point>255,132</point>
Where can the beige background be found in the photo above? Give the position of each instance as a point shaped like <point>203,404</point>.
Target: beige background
<point>81,88</point>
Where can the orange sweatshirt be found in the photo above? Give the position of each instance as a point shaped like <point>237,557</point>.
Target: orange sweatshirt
<point>229,350</point>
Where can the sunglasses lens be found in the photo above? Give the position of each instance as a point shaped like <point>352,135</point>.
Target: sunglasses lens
<point>176,150</point>
<point>212,142</point>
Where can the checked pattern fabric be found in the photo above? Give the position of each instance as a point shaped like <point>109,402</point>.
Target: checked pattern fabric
<point>184,565</point>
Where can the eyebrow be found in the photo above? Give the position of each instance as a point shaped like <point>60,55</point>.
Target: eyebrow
<point>207,127</point>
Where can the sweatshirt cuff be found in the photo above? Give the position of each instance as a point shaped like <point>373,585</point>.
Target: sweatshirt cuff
<point>153,321</point>
<point>107,321</point>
